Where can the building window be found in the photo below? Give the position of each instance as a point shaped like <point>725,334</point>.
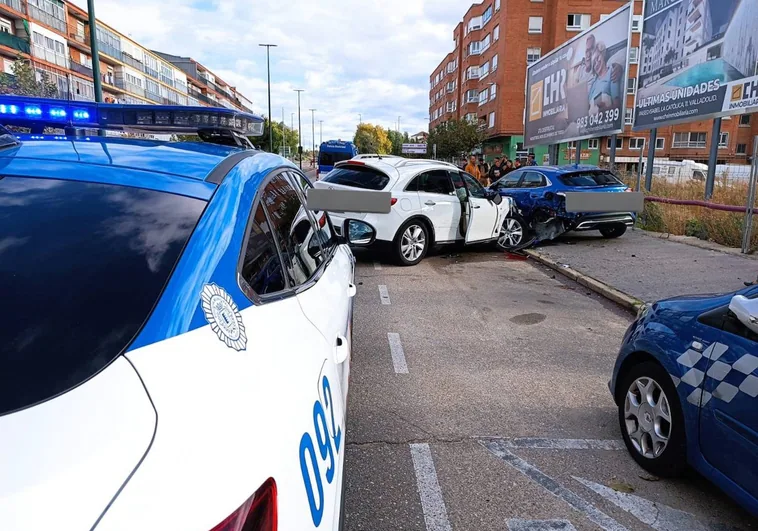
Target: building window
<point>487,15</point>
<point>484,70</point>
<point>741,149</point>
<point>494,62</point>
<point>724,140</point>
<point>604,16</point>
<point>472,96</point>
<point>745,120</point>
<point>474,48</point>
<point>571,145</point>
<point>634,55</point>
<point>593,143</point>
<point>497,5</point>
<point>485,44</point>
<point>484,96</point>
<point>637,23</point>
<point>471,117</point>
<point>491,120</point>
<point>474,24</point>
<point>660,143</point>
<point>631,85</point>
<point>629,116</point>
<point>472,72</point>
<point>689,140</point>
<point>619,142</point>
<point>493,92</point>
<point>496,33</point>
<point>533,55</point>
<point>535,24</point>
<point>636,143</point>
<point>577,22</point>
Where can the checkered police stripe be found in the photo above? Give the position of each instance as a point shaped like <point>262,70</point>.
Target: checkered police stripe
<point>733,379</point>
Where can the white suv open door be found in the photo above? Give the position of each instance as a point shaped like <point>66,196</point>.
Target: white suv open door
<point>485,217</point>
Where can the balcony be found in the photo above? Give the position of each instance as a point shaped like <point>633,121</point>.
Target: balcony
<point>80,68</point>
<point>46,18</point>
<point>11,41</point>
<point>152,96</point>
<point>131,61</point>
<point>167,80</point>
<point>13,4</point>
<point>109,50</point>
<point>82,97</point>
<point>50,56</point>
<point>130,87</point>
<point>206,99</point>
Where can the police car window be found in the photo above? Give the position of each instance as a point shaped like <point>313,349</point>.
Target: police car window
<point>261,266</point>
<point>81,267</point>
<point>325,231</point>
<point>475,189</point>
<point>532,179</point>
<point>435,182</point>
<point>292,228</point>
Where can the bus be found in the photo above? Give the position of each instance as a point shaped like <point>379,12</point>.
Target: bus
<point>332,152</point>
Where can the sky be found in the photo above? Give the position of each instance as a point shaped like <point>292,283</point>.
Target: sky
<point>368,57</point>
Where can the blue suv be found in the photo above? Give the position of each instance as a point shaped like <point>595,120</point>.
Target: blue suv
<point>539,193</point>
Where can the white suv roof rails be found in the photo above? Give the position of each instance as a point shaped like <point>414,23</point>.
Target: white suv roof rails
<point>425,161</point>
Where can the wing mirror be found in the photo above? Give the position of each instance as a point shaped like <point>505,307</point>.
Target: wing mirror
<point>358,233</point>
<point>495,197</point>
<point>746,310</point>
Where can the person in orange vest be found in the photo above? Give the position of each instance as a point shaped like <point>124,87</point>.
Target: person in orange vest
<point>472,168</point>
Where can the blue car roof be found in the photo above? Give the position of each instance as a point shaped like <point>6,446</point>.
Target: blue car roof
<point>568,168</point>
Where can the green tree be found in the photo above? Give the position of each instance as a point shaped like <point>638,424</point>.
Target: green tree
<point>455,138</point>
<point>372,139</point>
<point>23,81</point>
<point>283,136</point>
<point>396,139</point>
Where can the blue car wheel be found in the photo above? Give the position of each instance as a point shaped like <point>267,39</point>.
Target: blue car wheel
<point>651,419</point>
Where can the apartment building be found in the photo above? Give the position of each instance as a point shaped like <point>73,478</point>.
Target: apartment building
<point>55,36</point>
<point>483,79</point>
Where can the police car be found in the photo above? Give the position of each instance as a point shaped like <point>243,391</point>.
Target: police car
<point>175,333</point>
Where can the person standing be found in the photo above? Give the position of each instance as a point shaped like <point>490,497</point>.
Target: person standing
<point>472,168</point>
<point>508,168</point>
<point>531,160</point>
<point>496,171</point>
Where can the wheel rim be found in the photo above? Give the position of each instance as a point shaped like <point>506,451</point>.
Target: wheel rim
<point>413,243</point>
<point>647,417</point>
<point>511,233</point>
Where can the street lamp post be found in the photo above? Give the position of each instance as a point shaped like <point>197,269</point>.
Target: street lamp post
<point>270,118</point>
<point>398,124</point>
<point>95,53</point>
<point>313,131</point>
<point>360,118</point>
<point>299,129</point>
<point>320,132</point>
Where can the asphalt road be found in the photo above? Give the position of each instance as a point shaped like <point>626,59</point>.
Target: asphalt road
<point>479,401</point>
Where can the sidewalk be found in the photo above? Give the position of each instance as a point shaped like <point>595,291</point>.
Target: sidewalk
<point>647,267</point>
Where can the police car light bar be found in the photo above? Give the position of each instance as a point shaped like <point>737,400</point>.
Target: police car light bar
<point>41,112</point>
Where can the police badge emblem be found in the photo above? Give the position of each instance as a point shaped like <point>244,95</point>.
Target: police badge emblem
<point>223,316</point>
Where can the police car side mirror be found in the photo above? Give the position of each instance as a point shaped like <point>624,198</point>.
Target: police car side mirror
<point>746,310</point>
<point>358,233</point>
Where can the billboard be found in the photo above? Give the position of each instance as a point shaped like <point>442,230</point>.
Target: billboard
<point>697,61</point>
<point>579,90</point>
<point>419,149</point>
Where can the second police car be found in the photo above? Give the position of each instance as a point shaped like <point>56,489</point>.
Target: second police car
<point>175,332</point>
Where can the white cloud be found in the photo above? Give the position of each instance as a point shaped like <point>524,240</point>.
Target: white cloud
<point>350,56</point>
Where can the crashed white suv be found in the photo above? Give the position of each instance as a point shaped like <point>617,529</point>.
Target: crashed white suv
<point>432,203</point>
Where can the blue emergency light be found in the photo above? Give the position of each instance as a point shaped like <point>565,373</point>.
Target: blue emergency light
<point>38,113</point>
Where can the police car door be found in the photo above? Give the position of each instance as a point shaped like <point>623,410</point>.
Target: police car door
<point>312,436</point>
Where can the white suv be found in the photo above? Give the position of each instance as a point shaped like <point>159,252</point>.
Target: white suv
<point>432,203</point>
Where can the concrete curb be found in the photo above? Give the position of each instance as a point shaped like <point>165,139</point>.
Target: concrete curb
<point>609,292</point>
<point>696,242</point>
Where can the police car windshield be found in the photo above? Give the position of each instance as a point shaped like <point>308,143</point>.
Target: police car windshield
<point>81,266</point>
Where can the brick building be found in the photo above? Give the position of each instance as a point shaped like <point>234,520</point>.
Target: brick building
<point>484,77</point>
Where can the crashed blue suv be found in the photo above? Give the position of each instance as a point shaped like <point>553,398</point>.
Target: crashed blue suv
<point>540,195</point>
<point>686,386</point>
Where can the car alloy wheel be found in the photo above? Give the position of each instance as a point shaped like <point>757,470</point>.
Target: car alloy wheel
<point>511,234</point>
<point>413,243</point>
<point>647,417</point>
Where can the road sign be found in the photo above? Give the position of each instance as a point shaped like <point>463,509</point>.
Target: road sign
<point>419,149</point>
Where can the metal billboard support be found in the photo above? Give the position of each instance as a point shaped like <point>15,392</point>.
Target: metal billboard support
<point>578,144</point>
<point>750,210</point>
<point>639,173</point>
<point>713,158</point>
<point>650,159</point>
<point>612,163</point>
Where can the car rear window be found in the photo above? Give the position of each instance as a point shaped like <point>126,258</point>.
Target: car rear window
<point>81,267</point>
<point>358,177</point>
<point>590,178</point>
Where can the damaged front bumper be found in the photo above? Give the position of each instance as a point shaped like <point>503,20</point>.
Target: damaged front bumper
<point>547,225</point>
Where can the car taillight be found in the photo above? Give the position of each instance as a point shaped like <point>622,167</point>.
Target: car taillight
<point>629,190</point>
<point>258,513</point>
<point>393,201</point>
<point>322,221</point>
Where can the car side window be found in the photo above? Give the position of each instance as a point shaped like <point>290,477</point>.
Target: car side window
<point>511,180</point>
<point>292,230</point>
<point>475,189</point>
<point>435,182</point>
<point>413,185</point>
<point>532,179</point>
<point>261,267</point>
<point>325,231</point>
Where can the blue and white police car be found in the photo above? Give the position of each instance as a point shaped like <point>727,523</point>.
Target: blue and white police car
<point>175,327</point>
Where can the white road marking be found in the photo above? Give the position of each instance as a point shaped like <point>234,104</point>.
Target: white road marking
<point>398,355</point>
<point>594,514</point>
<point>432,503</point>
<point>517,524</point>
<point>658,516</point>
<point>377,266</point>
<point>561,444</point>
<point>384,295</point>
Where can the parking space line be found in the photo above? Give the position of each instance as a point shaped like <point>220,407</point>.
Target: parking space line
<point>561,444</point>
<point>384,295</point>
<point>398,355</point>
<point>432,503</point>
<point>594,514</point>
<point>377,266</point>
<point>517,524</point>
